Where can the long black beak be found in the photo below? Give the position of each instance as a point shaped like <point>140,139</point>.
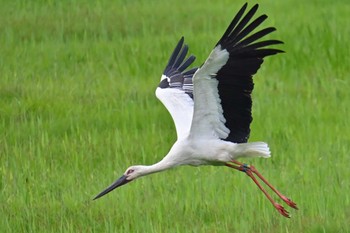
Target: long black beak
<point>121,181</point>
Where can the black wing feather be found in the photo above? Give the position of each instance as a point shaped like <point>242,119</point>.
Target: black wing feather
<point>236,31</point>
<point>181,56</point>
<point>252,38</point>
<point>250,28</point>
<point>187,63</point>
<point>260,44</point>
<point>235,77</point>
<point>175,72</point>
<point>174,55</point>
<point>233,23</point>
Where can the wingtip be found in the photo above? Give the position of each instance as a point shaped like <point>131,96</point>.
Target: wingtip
<point>272,29</point>
<point>181,41</point>
<point>256,6</point>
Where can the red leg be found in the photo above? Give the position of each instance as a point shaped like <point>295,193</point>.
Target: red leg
<point>280,208</point>
<point>284,198</point>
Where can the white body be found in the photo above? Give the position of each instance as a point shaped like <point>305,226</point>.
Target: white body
<point>212,152</point>
<point>201,152</point>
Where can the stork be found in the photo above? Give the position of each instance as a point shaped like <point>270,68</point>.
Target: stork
<point>211,105</point>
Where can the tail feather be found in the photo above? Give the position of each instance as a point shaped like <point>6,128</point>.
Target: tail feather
<point>254,149</point>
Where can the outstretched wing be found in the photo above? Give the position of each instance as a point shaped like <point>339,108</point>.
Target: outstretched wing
<point>224,83</point>
<point>175,89</point>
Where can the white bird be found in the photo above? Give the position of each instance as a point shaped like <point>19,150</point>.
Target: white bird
<point>211,105</point>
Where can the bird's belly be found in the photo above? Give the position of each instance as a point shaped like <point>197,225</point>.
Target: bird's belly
<point>212,152</point>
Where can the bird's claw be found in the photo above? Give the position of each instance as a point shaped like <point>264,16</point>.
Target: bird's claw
<point>281,210</point>
<point>289,202</point>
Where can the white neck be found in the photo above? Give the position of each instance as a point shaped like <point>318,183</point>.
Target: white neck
<point>157,167</point>
<point>162,165</point>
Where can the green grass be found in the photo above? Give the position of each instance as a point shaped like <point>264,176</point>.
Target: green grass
<point>77,107</point>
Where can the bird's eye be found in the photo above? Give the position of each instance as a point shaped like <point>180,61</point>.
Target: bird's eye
<point>129,171</point>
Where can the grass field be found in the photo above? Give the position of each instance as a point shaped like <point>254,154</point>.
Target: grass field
<point>77,107</point>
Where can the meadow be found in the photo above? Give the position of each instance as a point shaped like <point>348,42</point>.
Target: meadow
<point>77,107</point>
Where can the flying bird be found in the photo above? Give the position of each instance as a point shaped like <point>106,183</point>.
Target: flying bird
<point>211,104</point>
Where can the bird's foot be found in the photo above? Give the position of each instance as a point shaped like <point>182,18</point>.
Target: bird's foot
<point>281,210</point>
<point>289,202</point>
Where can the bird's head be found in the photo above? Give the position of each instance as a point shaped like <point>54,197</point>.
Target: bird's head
<point>134,172</point>
<point>130,174</point>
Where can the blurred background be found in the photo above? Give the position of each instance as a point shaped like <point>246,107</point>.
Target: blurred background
<point>77,107</point>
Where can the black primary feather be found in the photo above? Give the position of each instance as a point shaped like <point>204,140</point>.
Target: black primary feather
<point>236,76</point>
<point>175,70</point>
